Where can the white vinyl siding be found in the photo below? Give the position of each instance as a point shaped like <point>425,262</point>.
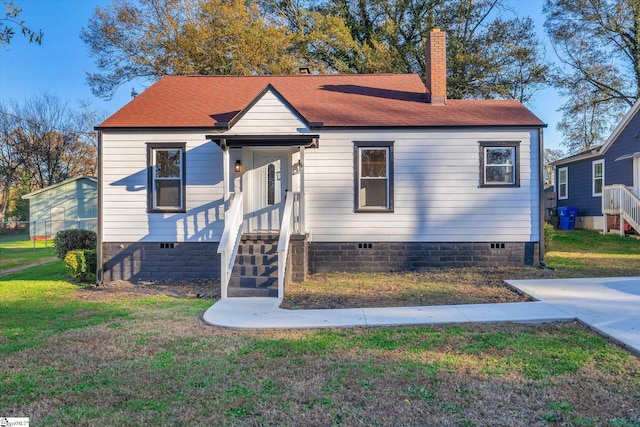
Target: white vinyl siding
<point>268,116</point>
<point>436,193</point>
<point>124,190</point>
<point>436,196</point>
<point>563,183</point>
<point>597,174</point>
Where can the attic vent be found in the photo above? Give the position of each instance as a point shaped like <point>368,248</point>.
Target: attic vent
<point>497,246</point>
<point>167,245</point>
<point>365,245</point>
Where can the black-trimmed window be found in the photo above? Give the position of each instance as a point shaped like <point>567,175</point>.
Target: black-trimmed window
<point>500,164</point>
<point>373,169</point>
<point>166,177</point>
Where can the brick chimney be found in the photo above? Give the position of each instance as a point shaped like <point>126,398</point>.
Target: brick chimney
<point>436,67</point>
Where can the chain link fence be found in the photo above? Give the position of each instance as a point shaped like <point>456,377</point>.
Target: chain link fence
<point>45,230</point>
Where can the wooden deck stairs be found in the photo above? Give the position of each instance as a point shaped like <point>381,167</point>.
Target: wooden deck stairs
<point>617,199</point>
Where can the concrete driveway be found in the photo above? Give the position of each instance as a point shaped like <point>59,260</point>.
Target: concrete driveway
<point>609,305</point>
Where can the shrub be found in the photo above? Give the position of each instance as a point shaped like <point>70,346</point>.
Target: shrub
<point>81,264</point>
<point>69,240</point>
<point>549,234</point>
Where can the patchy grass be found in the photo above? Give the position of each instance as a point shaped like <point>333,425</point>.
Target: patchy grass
<point>577,253</point>
<point>68,360</point>
<point>16,251</point>
<point>433,287</point>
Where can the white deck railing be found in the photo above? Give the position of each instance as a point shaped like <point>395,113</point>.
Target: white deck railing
<point>286,228</point>
<point>618,200</point>
<point>297,213</point>
<point>228,247</point>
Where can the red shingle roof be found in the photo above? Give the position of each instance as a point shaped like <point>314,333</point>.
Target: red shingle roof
<point>353,100</point>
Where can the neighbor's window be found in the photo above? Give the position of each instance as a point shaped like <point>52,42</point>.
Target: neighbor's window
<point>563,183</point>
<point>598,177</point>
<point>166,190</point>
<point>373,176</point>
<point>499,164</point>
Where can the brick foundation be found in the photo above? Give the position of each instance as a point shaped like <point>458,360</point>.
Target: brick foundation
<point>160,261</point>
<point>409,256</point>
<point>200,260</point>
<point>297,261</point>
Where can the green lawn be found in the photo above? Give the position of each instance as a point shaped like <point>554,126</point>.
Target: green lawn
<point>582,253</point>
<point>19,250</point>
<point>71,359</point>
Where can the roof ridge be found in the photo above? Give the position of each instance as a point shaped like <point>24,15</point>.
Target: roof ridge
<point>288,75</point>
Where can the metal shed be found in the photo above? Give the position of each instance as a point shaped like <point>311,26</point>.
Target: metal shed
<point>72,203</point>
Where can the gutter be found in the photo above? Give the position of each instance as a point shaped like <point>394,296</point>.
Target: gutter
<point>541,196</point>
<point>100,215</point>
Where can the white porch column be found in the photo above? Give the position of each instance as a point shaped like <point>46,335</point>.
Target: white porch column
<point>303,203</point>
<point>605,226</point>
<point>225,173</point>
<point>621,222</point>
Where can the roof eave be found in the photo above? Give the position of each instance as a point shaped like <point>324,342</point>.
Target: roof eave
<point>157,128</point>
<point>61,183</point>
<point>579,157</point>
<point>433,126</point>
<point>621,127</point>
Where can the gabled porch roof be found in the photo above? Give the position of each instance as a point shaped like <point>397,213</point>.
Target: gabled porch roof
<point>297,140</point>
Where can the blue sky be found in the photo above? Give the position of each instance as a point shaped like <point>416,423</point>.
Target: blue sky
<point>58,66</point>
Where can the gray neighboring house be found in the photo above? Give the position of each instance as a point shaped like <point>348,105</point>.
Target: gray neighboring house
<point>72,203</point>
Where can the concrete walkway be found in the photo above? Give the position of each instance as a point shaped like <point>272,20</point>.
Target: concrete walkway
<point>264,313</point>
<point>608,305</point>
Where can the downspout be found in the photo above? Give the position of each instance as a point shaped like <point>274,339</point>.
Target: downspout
<point>99,270</point>
<point>541,196</point>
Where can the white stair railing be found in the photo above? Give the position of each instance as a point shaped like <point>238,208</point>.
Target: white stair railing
<point>618,200</point>
<point>283,241</point>
<point>228,247</point>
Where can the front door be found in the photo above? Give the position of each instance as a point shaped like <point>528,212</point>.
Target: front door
<point>268,189</point>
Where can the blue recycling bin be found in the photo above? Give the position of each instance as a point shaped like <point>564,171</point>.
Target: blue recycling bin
<point>567,216</point>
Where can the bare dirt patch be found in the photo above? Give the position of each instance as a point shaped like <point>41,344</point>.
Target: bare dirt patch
<point>122,289</point>
<point>351,290</point>
<point>442,286</point>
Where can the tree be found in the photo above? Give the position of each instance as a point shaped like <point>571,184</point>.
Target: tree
<point>517,66</point>
<point>487,57</point>
<point>11,160</point>
<point>12,19</point>
<point>43,141</point>
<point>52,148</point>
<point>550,156</point>
<point>588,116</point>
<point>598,43</point>
<point>152,38</point>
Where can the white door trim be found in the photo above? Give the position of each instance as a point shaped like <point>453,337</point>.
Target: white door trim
<point>259,216</point>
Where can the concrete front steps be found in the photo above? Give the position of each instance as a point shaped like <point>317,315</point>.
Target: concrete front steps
<point>255,273</point>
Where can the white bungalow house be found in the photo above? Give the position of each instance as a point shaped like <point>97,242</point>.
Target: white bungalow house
<point>256,179</point>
